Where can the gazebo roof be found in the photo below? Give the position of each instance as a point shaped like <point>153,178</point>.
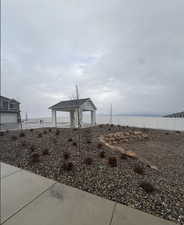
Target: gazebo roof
<point>72,104</point>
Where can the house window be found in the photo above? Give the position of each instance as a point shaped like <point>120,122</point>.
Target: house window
<point>5,105</point>
<point>12,106</point>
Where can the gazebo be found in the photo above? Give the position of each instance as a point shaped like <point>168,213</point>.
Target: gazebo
<point>76,109</point>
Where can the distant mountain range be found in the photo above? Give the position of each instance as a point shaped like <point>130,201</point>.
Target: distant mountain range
<point>133,114</point>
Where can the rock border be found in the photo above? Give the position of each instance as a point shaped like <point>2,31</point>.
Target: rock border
<point>127,153</point>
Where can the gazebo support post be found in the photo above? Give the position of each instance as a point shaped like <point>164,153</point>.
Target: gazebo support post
<point>54,120</point>
<point>93,118</point>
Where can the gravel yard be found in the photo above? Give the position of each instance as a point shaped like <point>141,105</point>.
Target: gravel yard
<point>77,158</point>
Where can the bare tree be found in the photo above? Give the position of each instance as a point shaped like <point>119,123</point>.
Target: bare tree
<point>72,97</point>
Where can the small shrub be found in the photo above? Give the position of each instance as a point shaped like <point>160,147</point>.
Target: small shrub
<point>31,130</point>
<point>88,142</point>
<point>22,134</point>
<point>109,129</point>
<point>123,156</point>
<point>1,133</point>
<point>66,155</point>
<point>74,144</point>
<point>167,133</point>
<point>35,158</point>
<point>88,161</point>
<point>75,129</point>
<point>14,137</point>
<point>102,154</point>
<point>101,125</point>
<point>112,161</point>
<point>32,148</point>
<point>178,132</point>
<point>23,144</point>
<point>50,130</point>
<point>57,132</point>
<point>112,125</point>
<point>147,187</point>
<point>70,140</point>
<point>40,135</point>
<point>68,166</point>
<point>139,170</point>
<point>45,151</point>
<point>45,132</point>
<point>99,145</point>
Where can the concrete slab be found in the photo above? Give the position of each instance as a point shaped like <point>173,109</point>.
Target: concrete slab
<point>29,199</point>
<point>124,215</point>
<point>19,189</point>
<point>7,170</point>
<point>64,205</point>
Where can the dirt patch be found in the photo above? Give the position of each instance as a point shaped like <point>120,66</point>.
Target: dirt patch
<point>94,167</point>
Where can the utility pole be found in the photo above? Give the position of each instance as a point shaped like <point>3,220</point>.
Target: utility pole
<point>79,124</point>
<point>78,112</point>
<point>111,114</point>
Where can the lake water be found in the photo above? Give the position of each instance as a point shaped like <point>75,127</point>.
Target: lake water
<point>145,122</point>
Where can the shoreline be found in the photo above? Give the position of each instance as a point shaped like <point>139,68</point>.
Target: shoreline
<point>158,123</point>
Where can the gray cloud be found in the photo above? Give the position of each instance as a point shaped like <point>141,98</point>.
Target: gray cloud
<point>126,52</point>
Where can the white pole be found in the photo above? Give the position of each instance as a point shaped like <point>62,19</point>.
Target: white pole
<point>54,118</point>
<point>111,114</point>
<point>78,109</point>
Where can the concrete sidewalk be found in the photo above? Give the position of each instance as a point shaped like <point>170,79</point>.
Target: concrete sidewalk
<point>29,199</point>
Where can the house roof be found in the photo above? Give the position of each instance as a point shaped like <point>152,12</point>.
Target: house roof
<point>72,104</point>
<point>9,99</point>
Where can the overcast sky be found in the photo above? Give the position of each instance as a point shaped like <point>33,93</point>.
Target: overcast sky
<point>126,52</point>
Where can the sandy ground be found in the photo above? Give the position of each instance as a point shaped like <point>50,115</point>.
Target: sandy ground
<point>75,157</point>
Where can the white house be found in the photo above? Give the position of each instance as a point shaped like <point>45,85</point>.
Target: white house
<point>9,111</point>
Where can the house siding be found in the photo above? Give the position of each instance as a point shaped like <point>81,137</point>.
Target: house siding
<point>9,111</point>
<point>9,118</point>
